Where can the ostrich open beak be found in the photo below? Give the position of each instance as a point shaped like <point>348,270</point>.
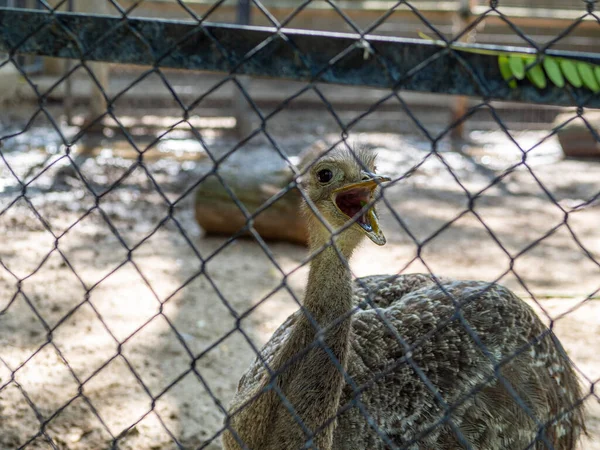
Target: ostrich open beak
<point>352,199</point>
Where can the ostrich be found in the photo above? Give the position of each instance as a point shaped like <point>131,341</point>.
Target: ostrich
<point>401,361</point>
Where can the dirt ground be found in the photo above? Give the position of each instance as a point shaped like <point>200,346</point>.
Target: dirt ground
<point>43,281</point>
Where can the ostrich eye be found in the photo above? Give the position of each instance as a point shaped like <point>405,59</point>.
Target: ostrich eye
<point>324,175</point>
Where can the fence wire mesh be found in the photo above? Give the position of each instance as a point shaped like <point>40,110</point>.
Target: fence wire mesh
<point>99,351</point>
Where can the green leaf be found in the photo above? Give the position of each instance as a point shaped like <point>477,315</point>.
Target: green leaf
<point>587,76</point>
<point>424,36</point>
<point>553,71</point>
<point>512,67</point>
<point>569,70</point>
<point>506,72</point>
<point>517,67</point>
<point>535,74</point>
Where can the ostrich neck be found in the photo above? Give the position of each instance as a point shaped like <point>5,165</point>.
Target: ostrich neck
<point>313,382</point>
<point>329,289</point>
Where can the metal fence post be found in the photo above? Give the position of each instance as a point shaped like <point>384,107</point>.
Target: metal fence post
<point>241,108</point>
<point>97,103</point>
<point>460,104</point>
<point>68,97</point>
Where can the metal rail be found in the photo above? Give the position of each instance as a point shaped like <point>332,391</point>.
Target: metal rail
<point>374,61</point>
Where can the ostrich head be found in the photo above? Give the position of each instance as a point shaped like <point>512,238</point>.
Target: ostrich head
<point>342,187</point>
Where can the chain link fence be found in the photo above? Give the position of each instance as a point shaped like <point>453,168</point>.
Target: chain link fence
<point>122,327</point>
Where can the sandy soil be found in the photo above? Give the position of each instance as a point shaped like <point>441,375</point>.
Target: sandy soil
<point>61,362</point>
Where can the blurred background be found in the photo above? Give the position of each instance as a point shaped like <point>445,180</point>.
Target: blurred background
<point>120,285</point>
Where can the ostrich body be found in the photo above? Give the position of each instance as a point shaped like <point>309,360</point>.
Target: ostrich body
<point>409,360</point>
